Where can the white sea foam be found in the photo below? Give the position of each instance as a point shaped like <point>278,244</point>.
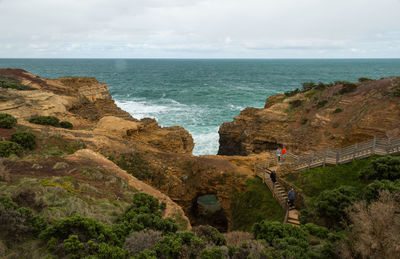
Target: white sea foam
<point>169,112</point>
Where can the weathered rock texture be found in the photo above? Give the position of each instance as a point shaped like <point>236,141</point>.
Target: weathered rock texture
<point>158,156</point>
<point>371,110</point>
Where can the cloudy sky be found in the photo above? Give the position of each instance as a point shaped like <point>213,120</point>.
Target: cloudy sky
<point>199,28</point>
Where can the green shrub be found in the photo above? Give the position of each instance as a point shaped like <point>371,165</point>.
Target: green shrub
<point>304,121</point>
<point>8,148</point>
<point>295,103</point>
<point>7,121</point>
<point>12,83</point>
<point>335,125</point>
<point>307,86</point>
<point>210,235</point>
<point>316,230</point>
<point>73,246</point>
<point>387,167</point>
<point>272,230</point>
<point>214,253</point>
<point>292,93</point>
<point>397,92</point>
<point>85,228</point>
<point>320,86</point>
<point>348,88</point>
<point>321,103</point>
<point>179,245</point>
<point>146,254</point>
<point>45,120</point>
<point>18,223</point>
<point>330,206</point>
<point>337,110</point>
<point>25,139</point>
<point>365,79</point>
<point>371,191</point>
<point>66,125</point>
<point>106,251</point>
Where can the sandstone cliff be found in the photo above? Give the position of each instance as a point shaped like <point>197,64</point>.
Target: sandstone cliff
<point>326,115</point>
<point>157,156</point>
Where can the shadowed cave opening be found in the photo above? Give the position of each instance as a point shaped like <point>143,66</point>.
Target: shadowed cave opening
<point>207,210</point>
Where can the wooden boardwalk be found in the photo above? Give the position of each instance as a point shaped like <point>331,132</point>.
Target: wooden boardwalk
<point>329,156</point>
<point>335,156</point>
<point>279,193</point>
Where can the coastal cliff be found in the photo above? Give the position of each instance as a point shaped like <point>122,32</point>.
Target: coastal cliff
<point>320,116</point>
<point>158,158</point>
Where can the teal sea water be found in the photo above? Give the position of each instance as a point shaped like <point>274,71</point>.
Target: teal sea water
<point>202,94</point>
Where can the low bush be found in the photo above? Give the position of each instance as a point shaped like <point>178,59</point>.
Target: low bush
<point>321,103</point>
<point>397,92</point>
<point>25,139</point>
<point>295,103</point>
<point>337,110</point>
<point>45,120</point>
<point>8,148</point>
<point>11,82</point>
<point>18,223</point>
<point>321,86</point>
<point>214,253</point>
<point>316,230</point>
<point>387,167</point>
<point>329,206</point>
<point>272,230</point>
<point>85,228</point>
<point>292,93</point>
<point>371,191</point>
<point>210,235</point>
<point>307,86</point>
<point>142,240</point>
<point>7,121</point>
<point>179,245</point>
<point>304,121</point>
<point>66,125</point>
<point>348,88</point>
<point>365,79</point>
<point>27,198</point>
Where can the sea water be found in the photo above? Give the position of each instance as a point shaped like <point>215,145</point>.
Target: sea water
<point>200,95</point>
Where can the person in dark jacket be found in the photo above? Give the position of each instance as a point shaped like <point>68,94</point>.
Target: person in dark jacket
<point>291,197</point>
<point>272,175</point>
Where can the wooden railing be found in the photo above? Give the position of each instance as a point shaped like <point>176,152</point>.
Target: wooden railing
<point>335,156</point>
<point>260,171</point>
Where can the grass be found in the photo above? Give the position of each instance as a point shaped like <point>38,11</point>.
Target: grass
<point>316,180</point>
<point>11,82</point>
<point>253,205</point>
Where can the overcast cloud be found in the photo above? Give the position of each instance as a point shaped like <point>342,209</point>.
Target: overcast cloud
<point>200,28</point>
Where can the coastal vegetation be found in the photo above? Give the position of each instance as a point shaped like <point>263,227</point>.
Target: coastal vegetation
<point>51,121</point>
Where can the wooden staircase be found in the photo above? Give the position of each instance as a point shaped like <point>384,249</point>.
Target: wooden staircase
<point>279,193</point>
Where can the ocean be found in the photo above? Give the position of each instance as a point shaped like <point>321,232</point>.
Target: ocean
<point>201,94</point>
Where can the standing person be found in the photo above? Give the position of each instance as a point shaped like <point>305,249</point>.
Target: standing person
<point>272,175</point>
<point>283,154</point>
<point>291,196</point>
<point>278,153</point>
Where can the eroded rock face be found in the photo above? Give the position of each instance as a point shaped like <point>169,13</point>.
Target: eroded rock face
<point>371,110</point>
<point>85,102</point>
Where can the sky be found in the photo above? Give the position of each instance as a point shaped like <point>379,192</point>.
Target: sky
<point>199,29</point>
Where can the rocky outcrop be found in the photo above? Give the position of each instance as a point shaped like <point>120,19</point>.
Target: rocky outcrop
<point>315,119</point>
<point>86,103</point>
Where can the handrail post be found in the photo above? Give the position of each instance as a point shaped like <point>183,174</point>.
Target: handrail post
<point>355,150</point>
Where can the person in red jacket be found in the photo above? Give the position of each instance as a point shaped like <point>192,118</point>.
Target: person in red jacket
<point>283,154</point>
